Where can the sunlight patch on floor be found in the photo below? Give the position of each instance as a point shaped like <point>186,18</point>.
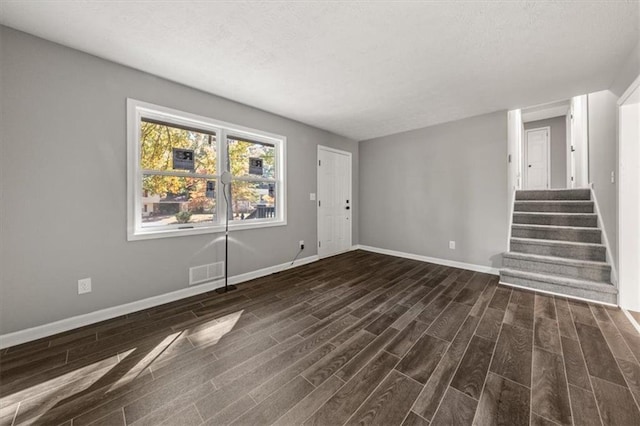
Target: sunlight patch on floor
<point>152,356</point>
<point>39,388</point>
<point>212,335</point>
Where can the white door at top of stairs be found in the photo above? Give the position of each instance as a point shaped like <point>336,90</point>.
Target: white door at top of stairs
<point>536,157</point>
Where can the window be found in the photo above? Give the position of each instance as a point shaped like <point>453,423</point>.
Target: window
<point>175,160</point>
<point>253,188</point>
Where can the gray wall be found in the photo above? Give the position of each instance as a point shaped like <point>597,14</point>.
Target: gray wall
<point>629,71</point>
<point>558,148</point>
<point>603,159</point>
<point>423,188</point>
<point>63,175</point>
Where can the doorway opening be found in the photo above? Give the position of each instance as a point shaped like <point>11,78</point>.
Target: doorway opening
<point>548,146</point>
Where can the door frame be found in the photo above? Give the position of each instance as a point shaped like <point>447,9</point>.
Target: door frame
<point>525,159</point>
<point>350,192</point>
<point>628,182</point>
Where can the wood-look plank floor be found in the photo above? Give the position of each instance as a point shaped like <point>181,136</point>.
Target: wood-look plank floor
<point>357,338</point>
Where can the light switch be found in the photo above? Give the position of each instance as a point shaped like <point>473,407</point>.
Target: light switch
<point>312,196</point>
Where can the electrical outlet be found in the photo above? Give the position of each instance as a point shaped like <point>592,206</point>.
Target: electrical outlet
<point>84,286</point>
<point>301,244</point>
<point>452,245</point>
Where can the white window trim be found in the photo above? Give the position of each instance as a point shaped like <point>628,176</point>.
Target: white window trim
<point>135,110</point>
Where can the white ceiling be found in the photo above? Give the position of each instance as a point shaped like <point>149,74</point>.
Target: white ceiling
<point>359,69</point>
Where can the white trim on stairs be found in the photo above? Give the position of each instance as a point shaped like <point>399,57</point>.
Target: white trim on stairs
<point>512,210</point>
<point>437,261</point>
<point>38,332</point>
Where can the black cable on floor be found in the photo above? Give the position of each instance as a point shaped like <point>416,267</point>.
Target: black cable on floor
<point>294,259</point>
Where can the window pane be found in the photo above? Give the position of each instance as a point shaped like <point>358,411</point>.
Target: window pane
<point>171,200</point>
<point>158,140</point>
<point>251,158</point>
<point>253,200</point>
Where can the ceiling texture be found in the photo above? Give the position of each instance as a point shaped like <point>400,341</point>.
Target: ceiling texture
<point>356,68</point>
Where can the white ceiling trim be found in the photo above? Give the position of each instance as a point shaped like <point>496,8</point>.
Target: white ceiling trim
<point>544,114</point>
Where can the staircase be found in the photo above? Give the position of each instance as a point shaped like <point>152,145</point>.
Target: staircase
<point>556,246</point>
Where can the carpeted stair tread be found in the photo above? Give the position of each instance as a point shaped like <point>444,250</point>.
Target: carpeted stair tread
<point>558,213</point>
<point>556,227</point>
<point>558,260</point>
<point>573,268</point>
<point>558,206</point>
<point>555,242</point>
<point>564,281</point>
<point>554,194</point>
<point>586,220</point>
<point>558,248</point>
<point>571,202</point>
<point>557,232</point>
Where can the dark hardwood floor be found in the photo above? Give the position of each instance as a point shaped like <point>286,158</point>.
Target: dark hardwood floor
<point>359,338</point>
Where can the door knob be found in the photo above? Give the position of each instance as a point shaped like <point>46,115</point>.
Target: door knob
<point>529,165</point>
<point>348,208</point>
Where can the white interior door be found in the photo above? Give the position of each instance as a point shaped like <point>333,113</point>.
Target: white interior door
<point>571,172</point>
<point>537,168</point>
<point>335,205</point>
<point>580,141</point>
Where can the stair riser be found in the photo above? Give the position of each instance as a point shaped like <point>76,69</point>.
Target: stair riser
<point>569,194</point>
<point>553,220</point>
<point>557,288</point>
<point>570,252</point>
<point>575,235</point>
<point>585,273</point>
<point>554,207</point>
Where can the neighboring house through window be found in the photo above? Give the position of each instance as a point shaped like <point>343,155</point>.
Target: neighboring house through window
<point>175,161</point>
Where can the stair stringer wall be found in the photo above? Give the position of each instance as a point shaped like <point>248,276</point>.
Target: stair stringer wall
<point>605,239</point>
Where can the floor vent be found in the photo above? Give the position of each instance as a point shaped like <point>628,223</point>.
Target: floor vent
<point>204,273</point>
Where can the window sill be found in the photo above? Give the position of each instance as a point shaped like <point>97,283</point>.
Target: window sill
<point>168,233</point>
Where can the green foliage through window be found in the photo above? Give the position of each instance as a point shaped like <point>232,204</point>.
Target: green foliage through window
<point>183,198</point>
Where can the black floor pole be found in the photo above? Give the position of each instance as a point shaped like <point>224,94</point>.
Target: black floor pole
<point>226,249</point>
<point>226,255</point>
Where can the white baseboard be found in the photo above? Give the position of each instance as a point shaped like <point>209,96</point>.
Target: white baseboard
<point>553,293</point>
<point>38,332</point>
<point>445,262</point>
<point>633,321</point>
